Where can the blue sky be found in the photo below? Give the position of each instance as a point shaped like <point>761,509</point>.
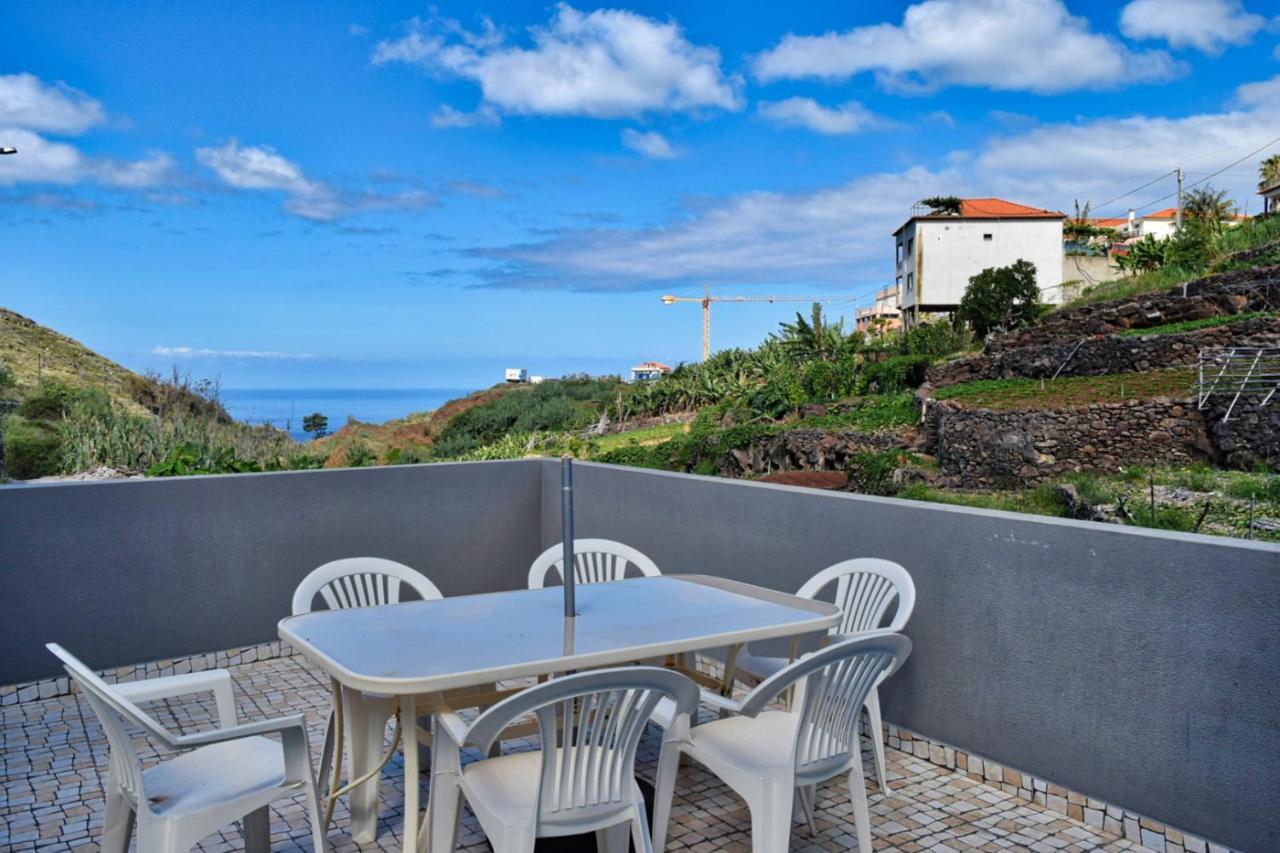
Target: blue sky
<point>402,195</point>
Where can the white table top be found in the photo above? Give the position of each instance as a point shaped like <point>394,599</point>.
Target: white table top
<point>463,641</point>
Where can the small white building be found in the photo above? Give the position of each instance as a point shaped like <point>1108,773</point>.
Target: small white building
<point>1270,198</point>
<point>884,315</point>
<point>1164,223</point>
<point>517,374</point>
<point>937,254</point>
<point>647,370</point>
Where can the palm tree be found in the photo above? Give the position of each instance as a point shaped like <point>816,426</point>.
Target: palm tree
<point>1269,172</point>
<point>1208,207</point>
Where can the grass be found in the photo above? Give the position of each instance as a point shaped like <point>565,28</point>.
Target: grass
<point>1070,392</point>
<point>1193,325</point>
<point>644,437</point>
<point>872,414</point>
<point>1038,501</point>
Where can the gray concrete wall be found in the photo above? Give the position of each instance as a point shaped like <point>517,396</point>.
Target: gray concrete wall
<point>132,571</point>
<point>1140,667</point>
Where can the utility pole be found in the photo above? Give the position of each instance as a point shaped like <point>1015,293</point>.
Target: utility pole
<point>1177,223</point>
<point>706,324</point>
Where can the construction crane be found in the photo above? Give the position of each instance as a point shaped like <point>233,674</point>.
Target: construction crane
<point>706,300</point>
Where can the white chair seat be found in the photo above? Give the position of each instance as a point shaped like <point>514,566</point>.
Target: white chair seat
<point>217,775</point>
<point>506,788</point>
<point>759,746</point>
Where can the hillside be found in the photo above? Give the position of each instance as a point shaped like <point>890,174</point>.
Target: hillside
<point>33,353</point>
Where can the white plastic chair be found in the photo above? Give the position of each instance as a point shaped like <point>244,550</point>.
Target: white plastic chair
<point>866,587</point>
<point>773,757</point>
<point>343,584</point>
<point>594,560</point>
<point>226,774</point>
<point>583,778</point>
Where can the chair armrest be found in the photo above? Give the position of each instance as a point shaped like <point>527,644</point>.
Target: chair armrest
<point>215,681</point>
<point>451,725</point>
<point>724,703</point>
<point>279,725</point>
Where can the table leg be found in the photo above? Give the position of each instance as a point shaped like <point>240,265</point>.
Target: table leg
<point>412,784</point>
<point>444,805</point>
<point>366,729</point>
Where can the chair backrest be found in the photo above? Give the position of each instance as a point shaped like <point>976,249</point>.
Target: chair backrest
<point>594,560</point>
<point>837,680</point>
<point>360,582</point>
<point>114,713</point>
<point>865,587</point>
<point>590,724</point>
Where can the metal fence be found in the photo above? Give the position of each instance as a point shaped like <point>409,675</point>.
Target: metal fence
<point>1237,371</point>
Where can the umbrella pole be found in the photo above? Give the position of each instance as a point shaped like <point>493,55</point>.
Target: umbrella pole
<point>566,512</point>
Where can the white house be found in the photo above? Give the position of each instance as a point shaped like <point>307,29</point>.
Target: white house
<point>1163,223</point>
<point>517,374</point>
<point>937,254</point>
<point>647,370</point>
<point>1270,198</point>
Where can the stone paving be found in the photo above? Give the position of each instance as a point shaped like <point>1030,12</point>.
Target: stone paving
<point>52,752</point>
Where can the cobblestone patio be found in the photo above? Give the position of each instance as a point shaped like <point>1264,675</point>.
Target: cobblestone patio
<point>51,752</point>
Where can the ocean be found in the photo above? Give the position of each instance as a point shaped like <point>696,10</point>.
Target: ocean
<point>286,407</point>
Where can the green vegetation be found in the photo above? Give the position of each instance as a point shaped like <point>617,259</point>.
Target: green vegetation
<point>1000,298</point>
<point>1193,325</point>
<point>1160,266</point>
<point>1071,391</point>
<point>568,404</point>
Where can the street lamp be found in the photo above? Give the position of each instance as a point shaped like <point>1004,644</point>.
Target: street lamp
<point>8,150</point>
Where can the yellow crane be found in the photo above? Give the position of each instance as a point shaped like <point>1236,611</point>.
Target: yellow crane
<point>706,300</point>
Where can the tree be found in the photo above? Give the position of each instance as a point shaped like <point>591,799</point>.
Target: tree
<point>943,205</point>
<point>1207,208</point>
<point>1269,172</point>
<point>316,424</point>
<point>1079,229</point>
<point>1000,298</point>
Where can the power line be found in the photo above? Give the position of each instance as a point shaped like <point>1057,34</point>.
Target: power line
<point>1209,177</point>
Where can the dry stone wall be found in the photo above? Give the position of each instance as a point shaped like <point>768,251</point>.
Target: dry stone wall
<point>986,449</point>
<point>1213,296</point>
<point>1100,356</point>
<point>805,450</point>
<point>1251,436</point>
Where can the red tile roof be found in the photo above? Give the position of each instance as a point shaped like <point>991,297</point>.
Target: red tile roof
<point>998,208</point>
<point>1172,213</point>
<point>1111,222</point>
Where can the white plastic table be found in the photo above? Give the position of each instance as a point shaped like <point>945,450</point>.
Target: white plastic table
<point>419,649</point>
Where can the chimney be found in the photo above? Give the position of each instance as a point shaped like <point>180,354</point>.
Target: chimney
<point>1131,218</point>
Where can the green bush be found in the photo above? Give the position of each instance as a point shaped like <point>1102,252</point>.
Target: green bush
<point>1000,298</point>
<point>932,339</point>
<point>190,458</point>
<point>872,471</point>
<point>32,449</point>
<point>358,455</point>
<point>557,406</point>
<point>51,402</point>
<point>893,375</point>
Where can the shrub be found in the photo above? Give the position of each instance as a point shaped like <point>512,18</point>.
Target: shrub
<point>932,339</point>
<point>32,449</point>
<point>872,472</point>
<point>358,455</point>
<point>893,375</point>
<point>50,403</point>
<point>1000,298</point>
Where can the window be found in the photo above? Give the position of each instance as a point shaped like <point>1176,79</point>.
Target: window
<point>899,253</point>
<point>988,237</point>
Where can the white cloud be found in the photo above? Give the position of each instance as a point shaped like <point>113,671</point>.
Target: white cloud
<point>840,236</point>
<point>849,117</point>
<point>1265,93</point>
<point>200,352</point>
<point>648,143</point>
<point>31,111</point>
<point>1206,25</point>
<point>260,167</point>
<point>609,63</point>
<point>45,161</point>
<point>483,116</point>
<point>1009,45</point>
<point>26,101</point>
